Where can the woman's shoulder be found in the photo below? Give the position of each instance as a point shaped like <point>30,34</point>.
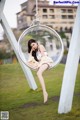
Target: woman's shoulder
<point>41,46</point>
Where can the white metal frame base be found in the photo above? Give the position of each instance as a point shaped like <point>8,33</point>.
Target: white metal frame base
<point>68,85</point>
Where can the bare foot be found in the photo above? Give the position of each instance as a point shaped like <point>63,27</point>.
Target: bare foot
<point>45,97</point>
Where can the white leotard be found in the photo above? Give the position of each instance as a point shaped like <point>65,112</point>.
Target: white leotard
<point>44,59</point>
<point>39,55</point>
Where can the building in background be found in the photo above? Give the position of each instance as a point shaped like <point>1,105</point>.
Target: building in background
<point>60,18</point>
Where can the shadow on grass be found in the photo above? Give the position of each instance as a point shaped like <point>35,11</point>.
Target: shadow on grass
<point>34,104</point>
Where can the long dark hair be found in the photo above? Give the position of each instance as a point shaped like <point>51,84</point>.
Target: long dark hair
<point>29,48</point>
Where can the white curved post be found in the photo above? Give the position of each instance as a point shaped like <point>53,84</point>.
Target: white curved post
<point>69,78</point>
<point>2,3</point>
<point>14,44</point>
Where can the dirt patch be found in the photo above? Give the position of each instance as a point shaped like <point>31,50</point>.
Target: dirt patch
<point>55,98</point>
<point>31,104</point>
<point>34,104</point>
<point>77,94</point>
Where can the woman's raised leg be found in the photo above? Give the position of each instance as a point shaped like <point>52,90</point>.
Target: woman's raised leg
<point>39,74</point>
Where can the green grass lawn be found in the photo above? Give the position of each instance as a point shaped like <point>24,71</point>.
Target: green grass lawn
<point>25,104</point>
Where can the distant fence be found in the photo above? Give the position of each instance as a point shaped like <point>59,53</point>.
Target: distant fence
<point>63,61</point>
<point>8,61</point>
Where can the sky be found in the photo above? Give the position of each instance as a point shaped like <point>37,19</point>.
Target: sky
<point>11,8</point>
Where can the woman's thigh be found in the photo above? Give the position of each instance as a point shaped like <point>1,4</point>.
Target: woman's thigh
<point>43,68</point>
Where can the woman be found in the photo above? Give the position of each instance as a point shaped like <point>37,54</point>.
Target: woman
<point>41,62</point>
